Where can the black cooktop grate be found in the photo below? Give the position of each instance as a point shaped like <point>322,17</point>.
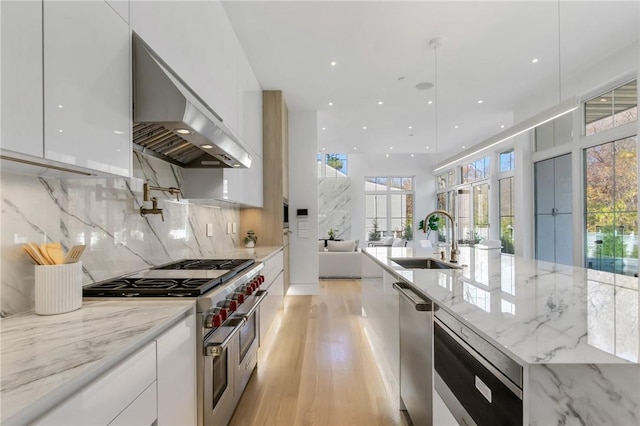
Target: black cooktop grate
<point>170,287</point>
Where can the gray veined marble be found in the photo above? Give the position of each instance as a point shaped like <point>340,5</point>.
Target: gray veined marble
<point>334,206</point>
<point>103,213</point>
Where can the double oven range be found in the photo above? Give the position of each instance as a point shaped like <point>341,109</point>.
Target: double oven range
<point>227,294</point>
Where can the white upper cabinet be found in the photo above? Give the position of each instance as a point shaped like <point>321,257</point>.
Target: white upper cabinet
<point>21,48</point>
<point>87,66</point>
<point>249,105</point>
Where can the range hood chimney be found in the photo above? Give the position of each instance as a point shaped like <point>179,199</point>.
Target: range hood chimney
<point>172,122</point>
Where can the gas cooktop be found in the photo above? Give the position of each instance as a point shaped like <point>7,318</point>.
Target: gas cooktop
<point>185,278</point>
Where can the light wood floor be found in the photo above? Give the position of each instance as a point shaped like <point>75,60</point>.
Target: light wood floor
<point>316,367</point>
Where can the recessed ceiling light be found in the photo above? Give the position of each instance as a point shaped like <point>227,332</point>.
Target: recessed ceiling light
<point>236,165</point>
<point>410,127</point>
<point>456,126</point>
<point>355,148</point>
<point>59,106</point>
<point>387,155</point>
<point>334,63</point>
<point>412,155</point>
<point>424,85</point>
<point>480,101</point>
<point>330,103</point>
<point>534,60</point>
<point>502,127</point>
<point>206,146</point>
<point>464,146</point>
<point>427,147</point>
<point>183,131</point>
<point>118,132</point>
<point>324,128</point>
<point>364,127</point>
<point>323,148</point>
<point>603,100</point>
<point>390,147</point>
<point>429,102</point>
<point>60,131</point>
<point>380,102</point>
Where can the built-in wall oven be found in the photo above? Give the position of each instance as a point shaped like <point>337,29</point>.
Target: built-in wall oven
<point>479,383</point>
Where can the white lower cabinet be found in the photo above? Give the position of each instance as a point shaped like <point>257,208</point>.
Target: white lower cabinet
<point>101,402</point>
<point>176,374</point>
<point>156,385</point>
<point>274,284</point>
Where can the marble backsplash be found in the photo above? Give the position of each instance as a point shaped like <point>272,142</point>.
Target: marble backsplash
<point>334,206</point>
<point>103,213</point>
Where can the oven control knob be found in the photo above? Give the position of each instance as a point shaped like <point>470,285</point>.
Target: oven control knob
<point>230,305</point>
<point>239,297</point>
<point>224,313</point>
<point>261,278</point>
<point>256,283</point>
<point>213,320</point>
<point>247,289</point>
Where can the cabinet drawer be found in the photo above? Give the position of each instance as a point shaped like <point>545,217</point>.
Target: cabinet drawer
<point>104,399</point>
<point>272,268</point>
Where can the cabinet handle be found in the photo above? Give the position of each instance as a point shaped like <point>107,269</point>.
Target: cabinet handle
<point>419,303</point>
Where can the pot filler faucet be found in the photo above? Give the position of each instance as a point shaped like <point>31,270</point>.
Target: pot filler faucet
<point>454,243</point>
<point>146,188</point>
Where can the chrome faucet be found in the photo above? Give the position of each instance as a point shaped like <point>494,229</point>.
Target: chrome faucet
<point>454,243</point>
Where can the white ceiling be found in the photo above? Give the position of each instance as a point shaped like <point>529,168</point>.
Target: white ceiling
<point>486,54</point>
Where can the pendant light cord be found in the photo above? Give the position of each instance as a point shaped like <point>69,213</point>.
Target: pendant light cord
<point>559,59</point>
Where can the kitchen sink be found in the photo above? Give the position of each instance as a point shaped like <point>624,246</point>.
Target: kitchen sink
<point>422,263</point>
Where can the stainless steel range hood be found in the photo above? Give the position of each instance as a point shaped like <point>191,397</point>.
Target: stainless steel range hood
<point>172,122</point>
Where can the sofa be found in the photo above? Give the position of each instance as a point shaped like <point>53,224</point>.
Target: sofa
<point>340,259</point>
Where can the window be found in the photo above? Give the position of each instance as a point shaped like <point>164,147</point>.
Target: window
<point>611,109</point>
<point>332,165</point>
<point>611,196</point>
<point>507,214</point>
<point>507,161</point>
<point>389,207</point>
<point>478,170</point>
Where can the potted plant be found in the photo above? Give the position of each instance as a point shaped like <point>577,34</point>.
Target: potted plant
<point>332,233</point>
<point>250,240</point>
<point>431,225</point>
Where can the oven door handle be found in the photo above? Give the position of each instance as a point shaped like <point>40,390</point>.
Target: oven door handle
<point>217,348</point>
<point>261,294</point>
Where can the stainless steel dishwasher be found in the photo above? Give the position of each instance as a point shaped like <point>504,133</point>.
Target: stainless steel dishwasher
<point>416,355</point>
<point>479,383</point>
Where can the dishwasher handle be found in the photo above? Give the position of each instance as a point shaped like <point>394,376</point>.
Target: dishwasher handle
<point>419,303</point>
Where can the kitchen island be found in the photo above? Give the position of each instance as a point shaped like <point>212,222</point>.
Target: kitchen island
<point>573,330</point>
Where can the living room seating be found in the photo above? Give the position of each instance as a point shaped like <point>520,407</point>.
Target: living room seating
<point>340,259</point>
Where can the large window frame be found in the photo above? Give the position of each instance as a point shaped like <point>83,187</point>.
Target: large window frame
<point>382,194</point>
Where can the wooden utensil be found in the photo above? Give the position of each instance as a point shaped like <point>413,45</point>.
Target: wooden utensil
<point>45,255</point>
<point>54,250</point>
<point>74,254</point>
<point>34,252</point>
<point>27,250</point>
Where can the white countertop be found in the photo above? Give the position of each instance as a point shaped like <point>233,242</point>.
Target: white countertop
<point>46,358</point>
<point>538,312</point>
<point>259,253</point>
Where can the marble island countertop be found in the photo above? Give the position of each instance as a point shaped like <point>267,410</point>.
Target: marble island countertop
<point>536,312</point>
<point>44,359</point>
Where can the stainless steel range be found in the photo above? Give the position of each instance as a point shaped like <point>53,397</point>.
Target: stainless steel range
<point>228,296</point>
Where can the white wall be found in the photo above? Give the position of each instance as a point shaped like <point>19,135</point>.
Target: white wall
<point>361,165</point>
<point>303,194</point>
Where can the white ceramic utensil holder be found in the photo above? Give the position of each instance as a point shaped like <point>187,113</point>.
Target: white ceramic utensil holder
<point>58,288</point>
